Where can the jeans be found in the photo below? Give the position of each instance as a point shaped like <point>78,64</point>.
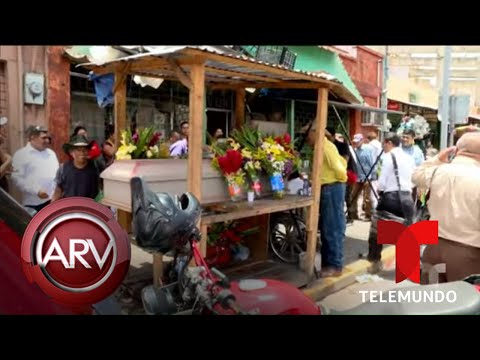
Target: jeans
<point>332,224</point>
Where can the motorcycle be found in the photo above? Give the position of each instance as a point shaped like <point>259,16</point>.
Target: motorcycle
<point>192,287</point>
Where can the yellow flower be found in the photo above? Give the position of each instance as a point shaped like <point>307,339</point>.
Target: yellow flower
<point>124,138</point>
<point>234,144</point>
<point>257,165</point>
<point>149,154</point>
<point>246,153</point>
<point>123,156</point>
<point>275,150</point>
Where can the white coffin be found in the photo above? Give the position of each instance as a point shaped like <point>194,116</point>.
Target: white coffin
<point>162,175</point>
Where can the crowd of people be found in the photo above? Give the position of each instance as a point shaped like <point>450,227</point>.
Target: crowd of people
<point>370,175</point>
<point>390,178</point>
<point>40,179</point>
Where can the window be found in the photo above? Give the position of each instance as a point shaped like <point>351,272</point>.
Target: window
<point>372,118</point>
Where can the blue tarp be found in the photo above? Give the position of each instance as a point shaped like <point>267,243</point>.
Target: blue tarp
<point>103,88</point>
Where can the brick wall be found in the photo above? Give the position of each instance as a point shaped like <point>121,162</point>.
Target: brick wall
<point>366,72</point>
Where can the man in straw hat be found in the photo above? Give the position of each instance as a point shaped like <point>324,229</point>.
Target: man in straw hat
<point>332,222</point>
<point>79,176</point>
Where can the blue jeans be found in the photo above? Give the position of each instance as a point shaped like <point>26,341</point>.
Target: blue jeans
<point>332,224</point>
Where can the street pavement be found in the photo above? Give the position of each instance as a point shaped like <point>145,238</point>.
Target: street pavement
<point>349,297</point>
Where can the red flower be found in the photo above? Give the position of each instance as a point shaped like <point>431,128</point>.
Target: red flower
<point>135,137</point>
<point>231,236</point>
<point>230,162</point>
<point>284,140</point>
<point>154,139</point>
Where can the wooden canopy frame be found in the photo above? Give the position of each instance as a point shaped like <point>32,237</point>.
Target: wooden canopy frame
<point>196,68</point>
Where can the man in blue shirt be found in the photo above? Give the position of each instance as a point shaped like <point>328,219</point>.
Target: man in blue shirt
<point>409,147</point>
<point>364,159</point>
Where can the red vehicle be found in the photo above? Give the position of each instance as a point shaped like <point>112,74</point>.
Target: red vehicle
<point>168,224</point>
<point>18,296</point>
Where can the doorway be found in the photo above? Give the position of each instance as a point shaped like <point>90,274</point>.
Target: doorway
<point>218,119</point>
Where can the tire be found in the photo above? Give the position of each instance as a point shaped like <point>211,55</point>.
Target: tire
<point>285,240</point>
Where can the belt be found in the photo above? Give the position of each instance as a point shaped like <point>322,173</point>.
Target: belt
<point>334,183</point>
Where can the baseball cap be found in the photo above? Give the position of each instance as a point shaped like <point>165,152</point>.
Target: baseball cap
<point>35,130</point>
<point>3,121</point>
<point>357,138</point>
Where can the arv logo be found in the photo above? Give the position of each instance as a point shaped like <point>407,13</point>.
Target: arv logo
<point>88,245</point>
<point>76,251</point>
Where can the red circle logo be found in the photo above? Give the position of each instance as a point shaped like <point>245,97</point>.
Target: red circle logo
<point>76,251</point>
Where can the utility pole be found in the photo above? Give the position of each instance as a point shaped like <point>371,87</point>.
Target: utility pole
<point>384,99</point>
<point>445,96</point>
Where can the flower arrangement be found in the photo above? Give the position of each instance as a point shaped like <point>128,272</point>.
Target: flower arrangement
<point>230,165</point>
<point>144,144</point>
<point>278,161</point>
<point>250,153</point>
<point>225,239</point>
<point>417,124</point>
<point>249,139</point>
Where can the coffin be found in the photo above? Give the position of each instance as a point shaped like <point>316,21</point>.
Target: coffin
<point>162,175</point>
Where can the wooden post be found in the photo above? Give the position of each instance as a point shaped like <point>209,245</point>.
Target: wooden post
<point>314,210</point>
<point>194,181</point>
<point>124,218</point>
<point>120,106</point>
<point>239,108</point>
<point>195,139</point>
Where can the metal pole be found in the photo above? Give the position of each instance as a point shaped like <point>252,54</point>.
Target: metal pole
<point>451,138</point>
<point>445,98</point>
<point>384,103</point>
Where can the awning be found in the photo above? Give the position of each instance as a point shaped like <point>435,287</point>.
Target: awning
<point>414,104</point>
<point>365,108</point>
<point>222,70</point>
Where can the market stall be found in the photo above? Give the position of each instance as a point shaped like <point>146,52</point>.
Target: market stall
<point>197,68</point>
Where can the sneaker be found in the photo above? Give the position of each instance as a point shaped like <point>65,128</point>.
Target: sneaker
<point>375,268</point>
<point>330,272</point>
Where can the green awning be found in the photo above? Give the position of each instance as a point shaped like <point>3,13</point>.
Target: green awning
<point>313,58</point>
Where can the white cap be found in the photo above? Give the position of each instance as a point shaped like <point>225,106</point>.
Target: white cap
<point>3,121</point>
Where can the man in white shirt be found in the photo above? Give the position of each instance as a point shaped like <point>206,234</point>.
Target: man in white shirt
<point>35,167</point>
<point>398,203</point>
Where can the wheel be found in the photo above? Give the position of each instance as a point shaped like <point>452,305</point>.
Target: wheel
<point>288,237</point>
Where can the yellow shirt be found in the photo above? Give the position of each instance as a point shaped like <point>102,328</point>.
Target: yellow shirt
<point>334,168</point>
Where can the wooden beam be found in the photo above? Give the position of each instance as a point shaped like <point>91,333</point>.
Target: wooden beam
<point>254,65</point>
<point>245,76</point>
<point>313,211</point>
<point>257,85</point>
<point>181,75</point>
<point>239,108</point>
<point>123,72</point>
<point>120,97</point>
<point>196,108</point>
